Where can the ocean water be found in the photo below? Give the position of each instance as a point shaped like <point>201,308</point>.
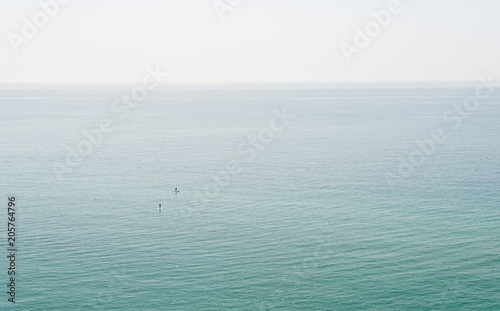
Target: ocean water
<point>298,198</point>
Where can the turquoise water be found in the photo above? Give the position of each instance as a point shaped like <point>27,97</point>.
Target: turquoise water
<point>315,216</point>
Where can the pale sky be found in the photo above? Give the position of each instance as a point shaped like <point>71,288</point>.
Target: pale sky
<point>112,41</point>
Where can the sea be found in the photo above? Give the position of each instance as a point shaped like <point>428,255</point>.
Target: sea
<point>290,197</point>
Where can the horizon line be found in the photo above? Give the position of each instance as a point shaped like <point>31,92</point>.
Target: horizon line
<point>86,83</point>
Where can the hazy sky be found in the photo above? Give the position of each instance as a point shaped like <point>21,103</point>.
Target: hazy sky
<point>258,41</point>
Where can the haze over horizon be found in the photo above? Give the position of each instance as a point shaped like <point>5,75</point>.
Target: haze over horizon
<point>256,42</point>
